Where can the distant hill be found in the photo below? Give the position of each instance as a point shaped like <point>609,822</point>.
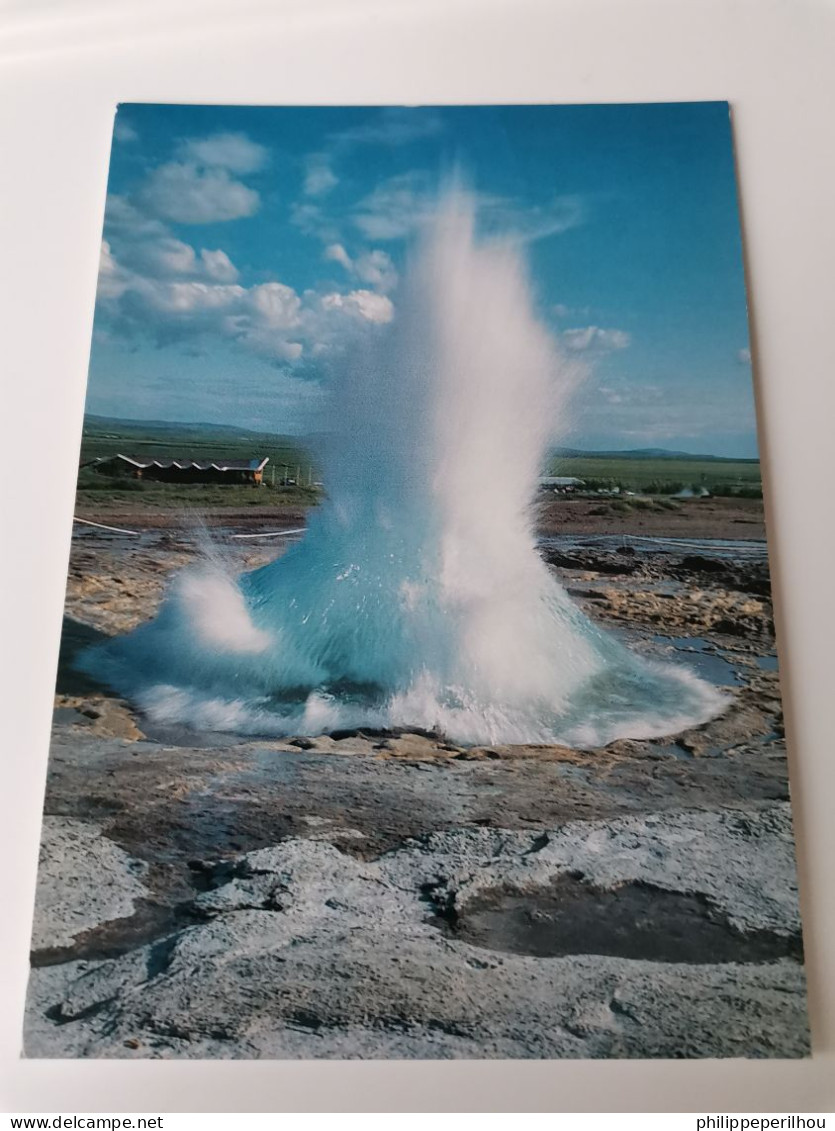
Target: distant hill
<point>94,423</point>
<point>645,453</point>
<point>162,428</point>
<point>104,436</point>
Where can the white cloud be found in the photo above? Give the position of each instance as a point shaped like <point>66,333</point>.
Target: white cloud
<point>271,331</point>
<point>404,202</point>
<point>232,151</point>
<point>158,287</point>
<point>376,269</point>
<point>190,298</point>
<point>270,320</point>
<point>372,267</point>
<point>262,319</point>
<point>595,339</point>
<point>123,131</point>
<point>107,264</point>
<point>310,219</point>
<point>201,186</point>
<point>164,256</point>
<point>562,310</point>
<point>362,304</point>
<point>187,194</point>
<point>388,127</point>
<point>743,356</point>
<point>218,266</point>
<point>125,219</point>
<point>525,223</point>
<point>319,177</point>
<point>112,278</point>
<point>395,207</point>
<point>391,125</point>
<point>336,253</point>
<point>277,305</point>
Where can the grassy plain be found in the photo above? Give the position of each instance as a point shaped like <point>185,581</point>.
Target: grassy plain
<point>652,474</point>
<point>661,474</point>
<point>288,461</point>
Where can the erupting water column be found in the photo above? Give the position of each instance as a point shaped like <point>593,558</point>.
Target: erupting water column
<point>417,597</point>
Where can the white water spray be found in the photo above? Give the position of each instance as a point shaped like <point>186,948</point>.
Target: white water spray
<point>417,597</point>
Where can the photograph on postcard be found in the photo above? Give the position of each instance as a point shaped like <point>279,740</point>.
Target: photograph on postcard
<point>418,693</point>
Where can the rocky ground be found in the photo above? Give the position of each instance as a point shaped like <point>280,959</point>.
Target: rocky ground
<point>396,895</point>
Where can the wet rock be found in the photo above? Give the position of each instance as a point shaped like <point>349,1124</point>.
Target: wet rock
<point>334,942</point>
<point>694,563</point>
<point>412,746</point>
<point>594,561</point>
<point>746,577</point>
<point>748,720</point>
<point>104,716</point>
<point>310,952</point>
<point>692,611</point>
<point>84,879</point>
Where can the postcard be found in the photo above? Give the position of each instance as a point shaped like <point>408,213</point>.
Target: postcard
<point>418,693</point>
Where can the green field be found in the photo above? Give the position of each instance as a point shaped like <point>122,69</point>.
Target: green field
<point>649,473</point>
<point>288,461</point>
<point>286,454</point>
<point>662,475</point>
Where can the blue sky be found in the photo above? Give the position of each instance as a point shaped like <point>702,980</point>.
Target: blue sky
<point>245,248</point>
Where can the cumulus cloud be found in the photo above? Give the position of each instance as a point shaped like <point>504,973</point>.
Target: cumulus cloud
<point>262,319</point>
<point>188,194</point>
<point>595,339</point>
<point>112,278</point>
<point>372,267</point>
<point>157,287</point>
<point>218,266</point>
<point>233,151</point>
<point>366,305</point>
<point>124,219</point>
<point>161,255</point>
<point>319,176</point>
<point>200,186</point>
<point>376,269</point>
<point>277,305</point>
<point>270,320</point>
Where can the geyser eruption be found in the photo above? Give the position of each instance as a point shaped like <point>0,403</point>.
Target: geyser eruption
<point>417,597</point>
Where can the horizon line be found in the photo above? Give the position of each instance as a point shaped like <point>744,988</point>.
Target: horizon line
<point>302,435</point>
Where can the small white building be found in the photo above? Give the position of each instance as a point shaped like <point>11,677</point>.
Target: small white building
<point>560,483</point>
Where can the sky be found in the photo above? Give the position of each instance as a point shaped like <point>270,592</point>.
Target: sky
<point>247,249</point>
